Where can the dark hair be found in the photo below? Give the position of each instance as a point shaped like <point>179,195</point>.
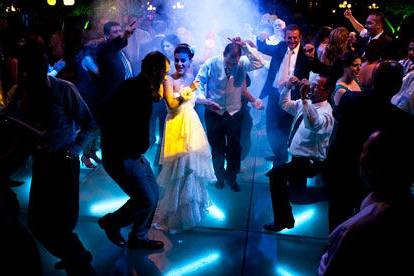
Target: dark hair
<point>293,27</point>
<point>380,16</point>
<point>347,58</point>
<point>385,169</point>
<point>387,78</point>
<point>184,48</point>
<point>153,61</point>
<point>232,48</point>
<point>171,38</point>
<point>108,25</point>
<point>322,34</point>
<point>373,52</point>
<point>330,82</point>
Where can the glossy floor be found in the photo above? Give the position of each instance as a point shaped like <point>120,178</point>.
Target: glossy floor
<point>230,240</point>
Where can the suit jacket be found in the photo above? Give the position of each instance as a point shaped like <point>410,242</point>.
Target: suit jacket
<point>386,45</point>
<point>277,52</point>
<point>111,67</point>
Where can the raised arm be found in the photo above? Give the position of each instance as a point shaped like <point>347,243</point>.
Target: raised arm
<point>355,23</point>
<point>285,101</point>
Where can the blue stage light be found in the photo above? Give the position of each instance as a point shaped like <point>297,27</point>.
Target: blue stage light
<point>216,213</point>
<point>107,206</point>
<point>195,265</point>
<point>301,219</point>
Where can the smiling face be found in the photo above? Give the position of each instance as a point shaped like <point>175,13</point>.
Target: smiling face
<point>354,69</point>
<point>373,25</point>
<point>292,38</point>
<point>182,63</point>
<point>319,93</point>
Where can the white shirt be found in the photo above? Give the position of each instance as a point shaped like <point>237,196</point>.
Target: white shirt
<point>215,85</point>
<point>312,136</point>
<point>279,79</point>
<point>364,33</point>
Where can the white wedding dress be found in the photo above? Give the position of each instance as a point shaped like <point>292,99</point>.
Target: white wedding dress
<point>186,170</point>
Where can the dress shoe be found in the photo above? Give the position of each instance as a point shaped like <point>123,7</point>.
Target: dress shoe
<point>219,184</point>
<point>277,227</point>
<point>234,186</point>
<point>86,161</point>
<point>112,232</point>
<point>135,243</point>
<point>95,157</point>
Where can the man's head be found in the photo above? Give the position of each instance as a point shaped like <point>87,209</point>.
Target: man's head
<point>411,50</point>
<point>112,30</point>
<point>155,66</point>
<point>387,79</point>
<point>293,35</point>
<point>375,23</point>
<point>231,54</point>
<point>384,168</point>
<point>33,63</point>
<point>320,88</point>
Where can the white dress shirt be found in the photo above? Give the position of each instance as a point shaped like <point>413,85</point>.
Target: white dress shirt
<point>312,136</point>
<point>226,91</point>
<point>286,65</point>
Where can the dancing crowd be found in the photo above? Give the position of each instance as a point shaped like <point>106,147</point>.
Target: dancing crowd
<point>339,104</point>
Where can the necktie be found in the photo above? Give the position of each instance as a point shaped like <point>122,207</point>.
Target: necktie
<point>284,73</point>
<point>295,128</point>
<point>127,66</point>
<point>227,70</point>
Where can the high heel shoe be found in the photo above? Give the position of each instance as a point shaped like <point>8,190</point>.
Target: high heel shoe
<point>86,161</point>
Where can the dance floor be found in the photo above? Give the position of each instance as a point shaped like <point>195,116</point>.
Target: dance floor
<point>230,240</point>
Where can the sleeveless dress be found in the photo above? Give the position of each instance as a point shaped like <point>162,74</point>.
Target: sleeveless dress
<point>186,170</point>
<point>347,90</point>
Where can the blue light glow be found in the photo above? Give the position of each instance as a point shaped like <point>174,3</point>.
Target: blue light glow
<point>216,213</point>
<point>107,206</point>
<point>195,265</point>
<point>282,270</point>
<point>103,207</point>
<point>301,218</point>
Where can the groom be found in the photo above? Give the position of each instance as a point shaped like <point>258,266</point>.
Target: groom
<point>221,80</point>
<point>125,120</point>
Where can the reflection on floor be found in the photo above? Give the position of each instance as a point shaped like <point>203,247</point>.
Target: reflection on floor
<point>230,240</point>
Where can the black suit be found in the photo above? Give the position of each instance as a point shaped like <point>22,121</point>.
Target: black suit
<point>278,122</point>
<point>111,68</point>
<point>357,117</point>
<point>386,46</point>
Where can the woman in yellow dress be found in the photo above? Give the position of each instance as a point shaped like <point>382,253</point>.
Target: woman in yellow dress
<point>185,153</point>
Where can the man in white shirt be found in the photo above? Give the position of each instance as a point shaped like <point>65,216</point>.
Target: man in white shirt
<point>221,82</point>
<point>288,59</point>
<point>308,141</point>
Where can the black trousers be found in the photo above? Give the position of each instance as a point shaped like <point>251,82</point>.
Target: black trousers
<point>136,179</point>
<point>278,124</point>
<point>223,133</point>
<point>20,252</point>
<point>294,173</point>
<point>54,209</point>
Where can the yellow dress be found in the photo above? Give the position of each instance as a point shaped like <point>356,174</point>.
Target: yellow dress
<point>186,170</point>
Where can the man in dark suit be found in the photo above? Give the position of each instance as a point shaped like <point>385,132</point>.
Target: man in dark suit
<point>125,123</point>
<point>373,30</point>
<point>113,64</point>
<point>278,122</point>
<point>357,117</point>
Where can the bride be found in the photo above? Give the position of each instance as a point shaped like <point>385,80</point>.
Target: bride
<point>185,153</point>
